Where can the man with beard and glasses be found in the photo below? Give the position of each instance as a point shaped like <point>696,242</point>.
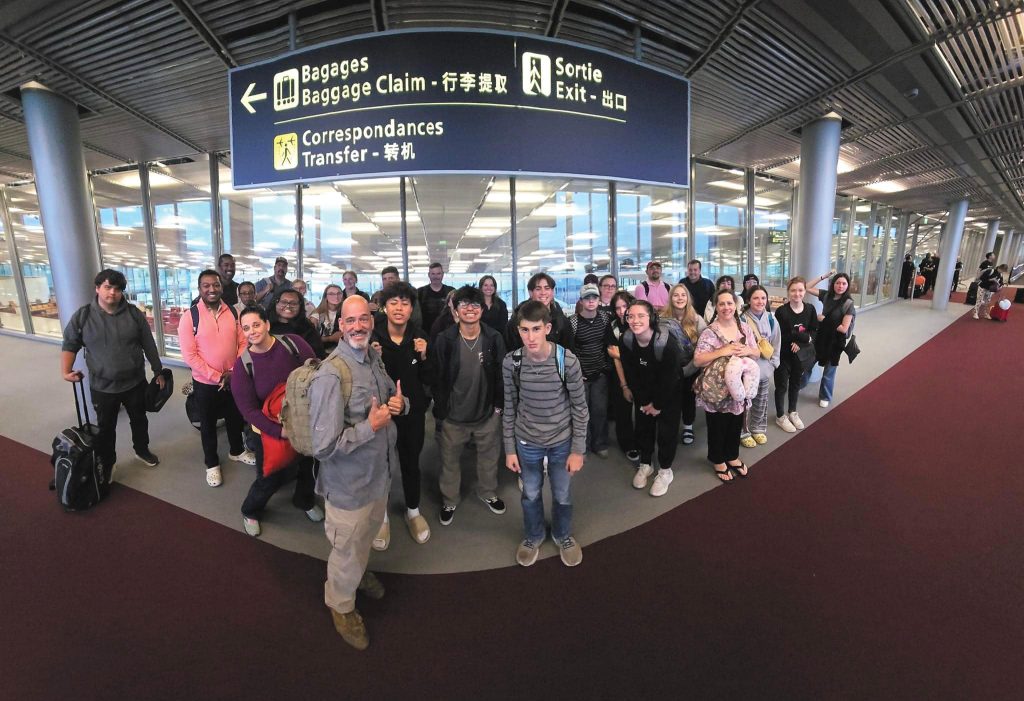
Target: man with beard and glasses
<point>355,442</point>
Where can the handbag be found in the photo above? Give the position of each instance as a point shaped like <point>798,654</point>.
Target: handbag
<point>278,453</point>
<point>852,350</point>
<point>710,384</point>
<point>763,344</point>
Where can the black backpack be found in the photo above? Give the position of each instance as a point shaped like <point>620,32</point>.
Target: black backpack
<point>79,478</point>
<point>647,287</point>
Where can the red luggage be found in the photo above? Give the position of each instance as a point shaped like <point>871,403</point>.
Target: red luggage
<point>998,314</point>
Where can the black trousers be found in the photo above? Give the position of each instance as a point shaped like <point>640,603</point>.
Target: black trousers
<point>662,429</point>
<point>410,443</point>
<point>788,378</point>
<point>723,436</point>
<point>214,403</point>
<point>107,406</point>
<point>688,399</point>
<point>303,471</point>
<point>622,411</point>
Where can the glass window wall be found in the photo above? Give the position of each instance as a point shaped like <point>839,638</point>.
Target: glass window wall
<point>773,200</point>
<point>841,233</point>
<point>463,222</point>
<point>122,232</point>
<point>562,230</point>
<point>30,242</point>
<point>720,220</point>
<point>10,300</point>
<point>183,233</point>
<point>352,225</point>
<point>652,224</point>
<point>258,226</point>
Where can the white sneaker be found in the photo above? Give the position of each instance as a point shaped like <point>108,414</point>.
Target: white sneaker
<point>794,419</point>
<point>785,424</point>
<point>661,482</point>
<point>642,473</point>
<point>246,456</point>
<point>213,476</point>
<point>823,403</point>
<point>251,526</point>
<point>316,514</point>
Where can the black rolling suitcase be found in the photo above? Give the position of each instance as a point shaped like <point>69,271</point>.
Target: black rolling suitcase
<point>972,294</point>
<point>79,478</point>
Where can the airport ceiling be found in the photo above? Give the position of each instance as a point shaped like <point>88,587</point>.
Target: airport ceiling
<point>931,91</point>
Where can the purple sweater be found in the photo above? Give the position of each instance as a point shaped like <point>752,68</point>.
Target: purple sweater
<point>268,371</point>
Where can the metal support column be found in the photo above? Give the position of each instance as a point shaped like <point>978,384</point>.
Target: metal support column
<point>902,230</point>
<point>990,237</point>
<point>12,252</point>
<point>819,160</point>
<point>750,216</point>
<point>948,247</point>
<point>299,238</point>
<point>513,242</point>
<point>405,229</point>
<point>65,207</point>
<point>613,234</point>
<point>154,268</point>
<point>216,216</point>
<point>691,226</point>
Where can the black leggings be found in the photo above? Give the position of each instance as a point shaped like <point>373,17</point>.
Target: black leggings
<point>788,377</point>
<point>410,443</point>
<point>723,436</point>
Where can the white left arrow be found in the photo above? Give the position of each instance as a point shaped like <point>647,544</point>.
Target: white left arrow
<point>248,98</point>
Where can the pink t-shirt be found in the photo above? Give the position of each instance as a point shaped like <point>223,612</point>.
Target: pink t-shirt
<point>658,295</point>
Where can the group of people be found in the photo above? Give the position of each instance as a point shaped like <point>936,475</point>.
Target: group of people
<point>535,390</point>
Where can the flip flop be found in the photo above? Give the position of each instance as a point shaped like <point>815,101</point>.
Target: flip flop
<point>719,473</point>
<point>737,468</point>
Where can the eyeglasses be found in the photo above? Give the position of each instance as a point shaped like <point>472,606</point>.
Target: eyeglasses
<point>469,305</point>
<point>288,305</point>
<point>610,285</point>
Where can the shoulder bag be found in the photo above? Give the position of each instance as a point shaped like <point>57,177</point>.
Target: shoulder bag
<point>763,344</point>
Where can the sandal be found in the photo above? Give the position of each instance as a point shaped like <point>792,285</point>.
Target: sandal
<point>720,474</point>
<point>742,470</point>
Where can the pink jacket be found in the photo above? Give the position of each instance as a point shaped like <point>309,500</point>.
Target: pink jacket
<point>212,351</point>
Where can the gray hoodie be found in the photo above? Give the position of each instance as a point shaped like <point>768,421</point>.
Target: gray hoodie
<point>114,345</point>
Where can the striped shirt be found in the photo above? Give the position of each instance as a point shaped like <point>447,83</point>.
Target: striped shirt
<point>588,338</point>
<point>542,412</point>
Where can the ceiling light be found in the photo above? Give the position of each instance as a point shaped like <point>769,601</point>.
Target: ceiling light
<point>670,207</point>
<point>727,185</point>
<point>886,186</point>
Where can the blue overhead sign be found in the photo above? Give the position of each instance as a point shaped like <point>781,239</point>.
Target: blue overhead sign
<point>451,101</point>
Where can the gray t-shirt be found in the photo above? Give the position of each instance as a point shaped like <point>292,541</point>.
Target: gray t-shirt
<point>469,397</point>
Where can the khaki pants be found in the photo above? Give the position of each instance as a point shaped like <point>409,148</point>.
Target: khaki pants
<point>350,534</point>
<point>486,436</point>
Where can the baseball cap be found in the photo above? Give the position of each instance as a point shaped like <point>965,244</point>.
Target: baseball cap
<point>589,290</point>
<point>654,262</point>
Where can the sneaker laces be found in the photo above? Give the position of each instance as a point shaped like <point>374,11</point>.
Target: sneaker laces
<point>567,542</point>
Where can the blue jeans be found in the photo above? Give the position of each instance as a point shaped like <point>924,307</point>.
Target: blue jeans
<point>828,382</point>
<point>531,462</point>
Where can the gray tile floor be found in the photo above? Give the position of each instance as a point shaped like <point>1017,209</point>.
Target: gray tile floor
<point>35,403</point>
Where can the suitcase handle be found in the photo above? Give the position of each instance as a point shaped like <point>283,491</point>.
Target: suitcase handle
<point>84,404</point>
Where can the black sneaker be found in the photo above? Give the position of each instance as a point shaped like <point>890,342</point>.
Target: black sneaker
<point>147,457</point>
<point>494,504</point>
<point>446,515</point>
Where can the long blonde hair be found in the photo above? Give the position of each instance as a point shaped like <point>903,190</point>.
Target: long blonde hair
<point>687,319</point>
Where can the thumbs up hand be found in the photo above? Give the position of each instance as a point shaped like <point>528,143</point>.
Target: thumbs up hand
<point>379,416</point>
<point>396,405</point>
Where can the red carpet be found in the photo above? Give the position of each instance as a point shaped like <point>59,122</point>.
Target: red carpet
<point>876,556</point>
